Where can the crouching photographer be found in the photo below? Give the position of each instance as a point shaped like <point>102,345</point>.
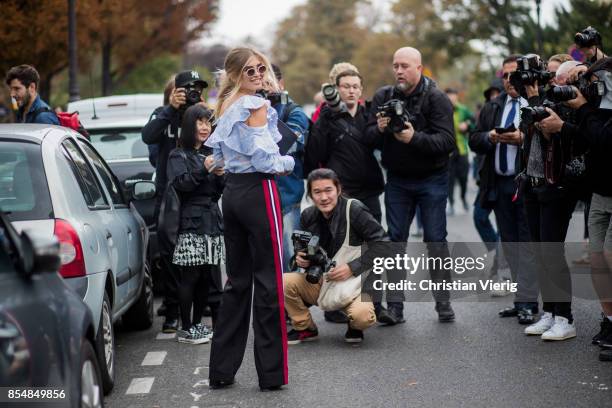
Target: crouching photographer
<point>340,226</point>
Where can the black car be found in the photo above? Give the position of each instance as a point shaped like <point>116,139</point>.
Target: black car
<point>46,331</point>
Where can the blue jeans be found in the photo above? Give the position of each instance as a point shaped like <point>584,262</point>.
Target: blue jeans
<point>402,197</point>
<point>291,222</point>
<point>483,224</point>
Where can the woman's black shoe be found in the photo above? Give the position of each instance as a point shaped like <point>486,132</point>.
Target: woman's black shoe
<point>218,384</point>
<point>272,388</point>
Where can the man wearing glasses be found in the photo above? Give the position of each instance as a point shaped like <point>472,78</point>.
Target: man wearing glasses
<point>338,141</point>
<point>498,137</point>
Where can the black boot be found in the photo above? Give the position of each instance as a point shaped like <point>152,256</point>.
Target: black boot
<point>445,312</point>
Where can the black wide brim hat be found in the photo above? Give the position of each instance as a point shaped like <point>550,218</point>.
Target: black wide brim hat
<point>185,78</point>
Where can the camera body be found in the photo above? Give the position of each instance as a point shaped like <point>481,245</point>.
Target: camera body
<point>275,98</point>
<point>396,110</point>
<point>565,93</point>
<point>332,98</point>
<point>320,263</point>
<point>533,114</point>
<point>588,38</point>
<point>193,95</point>
<point>530,68</point>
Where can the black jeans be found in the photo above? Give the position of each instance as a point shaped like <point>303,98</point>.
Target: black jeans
<point>373,204</point>
<point>549,210</point>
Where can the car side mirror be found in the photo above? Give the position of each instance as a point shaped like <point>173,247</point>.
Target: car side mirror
<point>40,254</point>
<point>144,190</point>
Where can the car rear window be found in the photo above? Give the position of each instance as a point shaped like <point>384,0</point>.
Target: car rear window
<point>24,193</point>
<point>119,144</point>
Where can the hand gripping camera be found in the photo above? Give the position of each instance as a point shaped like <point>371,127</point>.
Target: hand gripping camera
<point>304,241</point>
<point>396,110</point>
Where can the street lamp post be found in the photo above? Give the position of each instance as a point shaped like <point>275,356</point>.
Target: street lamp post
<point>539,27</point>
<point>73,64</point>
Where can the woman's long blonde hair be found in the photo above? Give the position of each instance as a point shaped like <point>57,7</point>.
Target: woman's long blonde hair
<point>234,64</point>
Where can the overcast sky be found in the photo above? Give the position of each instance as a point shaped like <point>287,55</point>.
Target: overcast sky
<point>258,18</point>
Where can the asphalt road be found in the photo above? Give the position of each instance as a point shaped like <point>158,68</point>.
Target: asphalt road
<point>478,361</point>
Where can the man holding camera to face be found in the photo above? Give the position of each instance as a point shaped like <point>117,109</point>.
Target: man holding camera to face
<point>498,137</point>
<point>163,130</point>
<point>338,141</point>
<point>413,123</point>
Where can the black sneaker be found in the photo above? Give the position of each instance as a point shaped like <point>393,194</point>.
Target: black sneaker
<point>298,336</point>
<point>193,336</point>
<point>606,329</point>
<point>445,312</point>
<point>606,341</point>
<point>605,355</point>
<point>390,316</point>
<point>218,384</point>
<point>337,316</point>
<point>353,335</point>
<point>170,325</point>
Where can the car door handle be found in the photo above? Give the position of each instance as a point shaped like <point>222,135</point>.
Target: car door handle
<point>108,234</point>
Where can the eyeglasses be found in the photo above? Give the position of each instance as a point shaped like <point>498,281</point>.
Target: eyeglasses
<point>252,71</point>
<point>348,87</point>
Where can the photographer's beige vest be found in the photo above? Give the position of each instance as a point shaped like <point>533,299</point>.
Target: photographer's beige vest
<point>336,295</point>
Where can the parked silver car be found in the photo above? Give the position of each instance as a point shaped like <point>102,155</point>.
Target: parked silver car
<point>53,181</point>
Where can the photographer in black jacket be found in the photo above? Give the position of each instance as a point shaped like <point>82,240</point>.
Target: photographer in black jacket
<point>163,130</point>
<point>498,189</point>
<point>327,219</point>
<point>338,141</point>
<point>594,119</point>
<point>417,162</point>
<point>552,184</point>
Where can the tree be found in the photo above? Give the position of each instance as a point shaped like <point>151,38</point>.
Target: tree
<point>36,32</point>
<point>496,21</point>
<point>131,35</point>
<point>373,58</point>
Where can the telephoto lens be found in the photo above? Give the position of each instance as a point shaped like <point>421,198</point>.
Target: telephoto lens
<point>562,93</point>
<point>332,98</point>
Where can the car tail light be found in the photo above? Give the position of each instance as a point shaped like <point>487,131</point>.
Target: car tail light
<point>71,251</point>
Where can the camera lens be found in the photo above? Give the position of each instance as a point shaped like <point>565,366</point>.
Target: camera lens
<point>562,93</point>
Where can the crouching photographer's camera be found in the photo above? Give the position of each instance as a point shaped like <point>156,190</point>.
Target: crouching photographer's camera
<point>397,112</point>
<point>530,68</point>
<point>320,263</point>
<point>591,91</point>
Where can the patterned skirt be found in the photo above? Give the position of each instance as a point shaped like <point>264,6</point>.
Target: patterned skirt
<point>193,249</point>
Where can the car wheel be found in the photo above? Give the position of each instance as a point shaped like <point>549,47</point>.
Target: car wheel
<point>90,387</point>
<point>105,342</point>
<point>140,315</point>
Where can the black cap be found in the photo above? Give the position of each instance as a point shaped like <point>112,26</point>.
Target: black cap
<point>495,84</point>
<point>182,79</point>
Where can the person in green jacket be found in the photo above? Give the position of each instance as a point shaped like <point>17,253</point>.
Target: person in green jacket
<point>459,164</point>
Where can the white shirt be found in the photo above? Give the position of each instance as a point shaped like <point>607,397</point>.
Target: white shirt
<point>511,150</point>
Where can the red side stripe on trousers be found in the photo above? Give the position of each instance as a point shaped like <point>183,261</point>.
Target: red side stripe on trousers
<point>273,209</point>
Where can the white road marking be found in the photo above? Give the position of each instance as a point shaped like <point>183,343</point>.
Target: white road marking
<point>201,383</point>
<point>198,369</point>
<point>166,336</point>
<point>140,385</point>
<point>196,397</point>
<point>154,358</point>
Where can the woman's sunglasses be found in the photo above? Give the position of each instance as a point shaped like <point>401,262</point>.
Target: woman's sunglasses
<point>252,71</point>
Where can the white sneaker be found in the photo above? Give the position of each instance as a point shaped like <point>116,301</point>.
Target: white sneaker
<point>544,324</point>
<point>561,330</point>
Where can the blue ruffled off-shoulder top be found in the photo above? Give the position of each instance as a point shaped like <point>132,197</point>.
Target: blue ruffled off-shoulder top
<point>246,149</point>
